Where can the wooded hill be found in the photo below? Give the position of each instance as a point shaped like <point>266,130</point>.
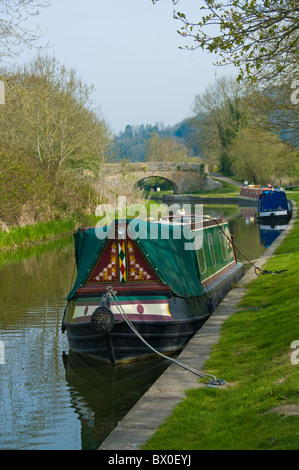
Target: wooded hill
<point>132,143</point>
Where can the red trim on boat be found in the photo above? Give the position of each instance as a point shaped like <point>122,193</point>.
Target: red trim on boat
<point>130,302</point>
<point>134,287</point>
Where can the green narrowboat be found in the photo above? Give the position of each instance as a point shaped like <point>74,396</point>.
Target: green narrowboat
<point>147,286</point>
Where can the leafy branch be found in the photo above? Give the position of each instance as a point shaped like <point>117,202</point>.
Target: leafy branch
<point>259,37</point>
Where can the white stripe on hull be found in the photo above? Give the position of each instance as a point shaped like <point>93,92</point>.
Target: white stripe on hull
<point>128,307</point>
<point>271,213</point>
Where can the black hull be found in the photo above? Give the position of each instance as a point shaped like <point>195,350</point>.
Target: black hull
<point>122,344</point>
<point>274,219</point>
<point>167,337</point>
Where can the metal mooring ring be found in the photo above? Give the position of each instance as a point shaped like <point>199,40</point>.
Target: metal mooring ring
<point>102,319</point>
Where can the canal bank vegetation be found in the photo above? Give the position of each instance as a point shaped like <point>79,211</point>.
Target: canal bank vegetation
<point>53,144</point>
<point>257,356</point>
<point>32,234</point>
<point>247,131</point>
<point>226,189</point>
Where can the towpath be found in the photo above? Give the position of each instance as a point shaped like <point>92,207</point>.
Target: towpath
<point>159,401</point>
<point>226,179</point>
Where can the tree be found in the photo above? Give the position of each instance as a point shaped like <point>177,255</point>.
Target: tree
<point>258,156</point>
<point>165,149</point>
<point>274,109</point>
<point>49,114</point>
<point>131,144</point>
<point>219,114</point>
<point>259,37</point>
<point>13,32</point>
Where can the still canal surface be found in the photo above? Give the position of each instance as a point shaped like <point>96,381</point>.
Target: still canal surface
<point>51,399</point>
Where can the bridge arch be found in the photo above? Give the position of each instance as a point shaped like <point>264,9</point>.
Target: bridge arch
<point>184,177</point>
<point>143,180</point>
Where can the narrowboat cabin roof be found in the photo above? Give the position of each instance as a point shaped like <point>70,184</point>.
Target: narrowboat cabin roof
<point>159,246</point>
<point>273,200</point>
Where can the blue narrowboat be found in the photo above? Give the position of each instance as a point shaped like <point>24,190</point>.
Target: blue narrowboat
<point>273,205</point>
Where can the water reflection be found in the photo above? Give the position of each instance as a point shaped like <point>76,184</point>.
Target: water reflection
<point>243,227</point>
<point>34,409</point>
<point>269,233</point>
<point>103,394</point>
<point>50,398</point>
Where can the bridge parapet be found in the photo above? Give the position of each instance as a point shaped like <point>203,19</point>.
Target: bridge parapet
<point>127,167</point>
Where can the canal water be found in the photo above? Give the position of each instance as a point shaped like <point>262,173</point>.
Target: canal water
<point>51,399</point>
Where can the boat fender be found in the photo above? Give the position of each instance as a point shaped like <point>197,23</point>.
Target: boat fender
<point>102,320</point>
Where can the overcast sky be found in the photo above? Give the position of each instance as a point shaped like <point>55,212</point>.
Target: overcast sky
<point>129,50</point>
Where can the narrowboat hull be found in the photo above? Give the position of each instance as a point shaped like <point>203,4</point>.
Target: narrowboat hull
<point>273,217</point>
<point>122,344</point>
<point>167,329</point>
<point>160,298</point>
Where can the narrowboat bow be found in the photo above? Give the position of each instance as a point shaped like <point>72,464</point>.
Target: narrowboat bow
<point>273,206</point>
<point>147,283</point>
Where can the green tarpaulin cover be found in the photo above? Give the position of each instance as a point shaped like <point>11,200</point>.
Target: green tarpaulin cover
<point>163,245</point>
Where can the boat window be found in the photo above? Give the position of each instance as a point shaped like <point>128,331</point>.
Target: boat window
<point>211,248</point>
<point>202,260</point>
<point>229,245</point>
<point>223,246</point>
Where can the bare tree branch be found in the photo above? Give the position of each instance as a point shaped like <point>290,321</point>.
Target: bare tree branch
<point>14,32</point>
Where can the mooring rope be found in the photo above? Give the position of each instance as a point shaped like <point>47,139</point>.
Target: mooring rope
<point>214,382</point>
<point>256,268</point>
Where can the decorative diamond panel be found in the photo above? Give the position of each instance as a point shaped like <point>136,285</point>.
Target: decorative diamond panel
<point>122,261</point>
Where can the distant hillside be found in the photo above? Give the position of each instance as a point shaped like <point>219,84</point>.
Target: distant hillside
<point>131,144</point>
<point>188,132</point>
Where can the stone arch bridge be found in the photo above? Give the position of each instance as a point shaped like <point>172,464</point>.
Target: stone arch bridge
<point>184,177</point>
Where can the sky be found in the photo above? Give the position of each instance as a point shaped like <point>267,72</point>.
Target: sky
<point>129,50</point>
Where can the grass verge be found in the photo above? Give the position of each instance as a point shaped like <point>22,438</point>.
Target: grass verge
<point>226,190</point>
<point>44,232</point>
<point>258,409</point>
<point>29,235</point>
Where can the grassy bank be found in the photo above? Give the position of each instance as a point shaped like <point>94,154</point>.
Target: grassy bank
<point>259,406</point>
<point>226,189</point>
<point>43,232</point>
<point>29,235</point>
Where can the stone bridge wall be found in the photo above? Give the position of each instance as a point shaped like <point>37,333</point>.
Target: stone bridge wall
<point>111,168</point>
<point>184,177</point>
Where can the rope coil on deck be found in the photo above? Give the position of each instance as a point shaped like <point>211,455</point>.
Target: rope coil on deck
<point>214,382</point>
